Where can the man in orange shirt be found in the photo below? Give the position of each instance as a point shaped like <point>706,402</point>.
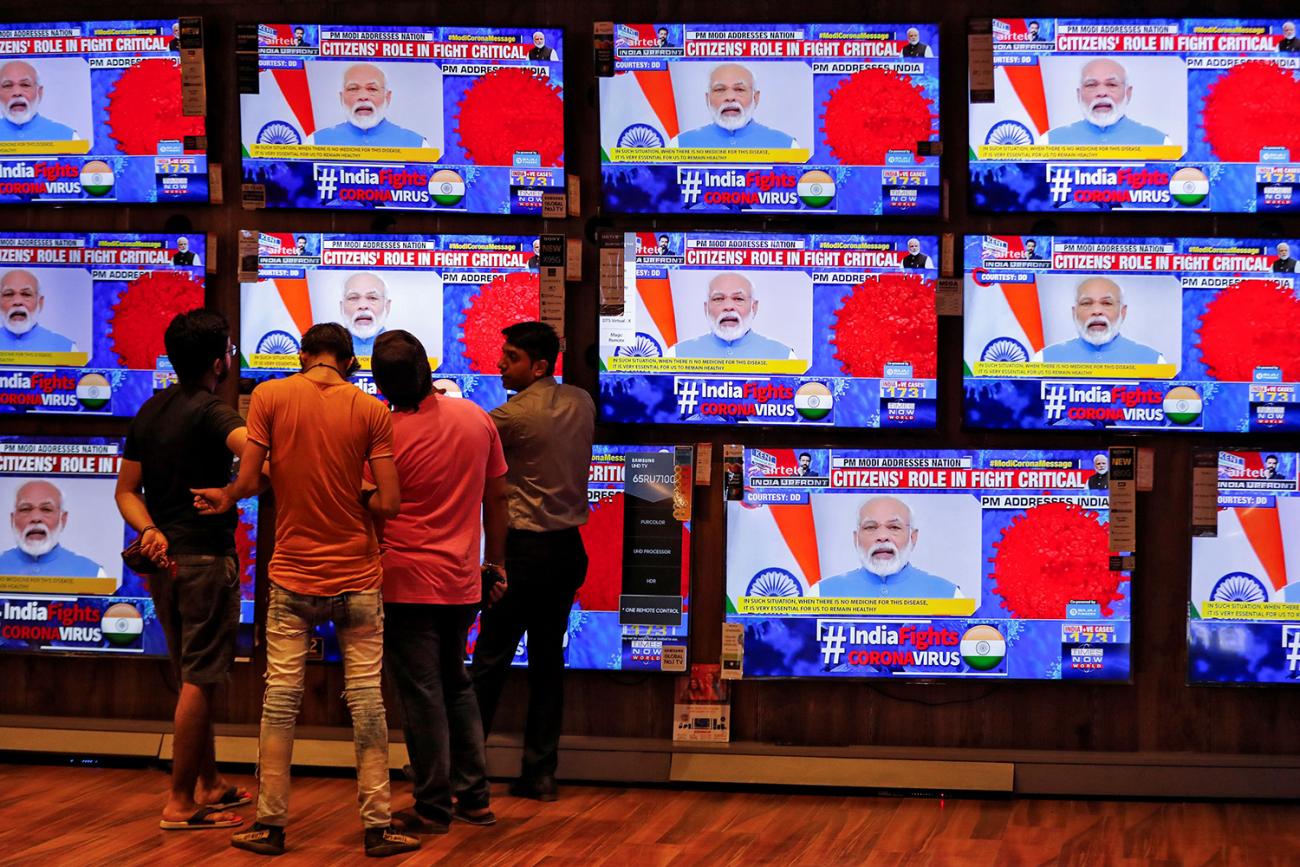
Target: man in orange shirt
<point>320,432</point>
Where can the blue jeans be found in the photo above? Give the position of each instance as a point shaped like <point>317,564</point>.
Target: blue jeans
<point>359,622</point>
<point>424,648</point>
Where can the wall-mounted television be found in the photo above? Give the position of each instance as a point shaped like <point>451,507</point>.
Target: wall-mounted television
<point>462,119</point>
<point>771,118</point>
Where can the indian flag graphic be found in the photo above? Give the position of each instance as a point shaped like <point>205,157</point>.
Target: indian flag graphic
<point>1249,560</point>
<point>122,624</point>
<point>94,391</point>
<point>816,188</point>
<point>446,187</point>
<point>1189,186</point>
<point>637,109</point>
<point>1018,116</point>
<point>983,647</point>
<point>1003,321</point>
<point>1182,405</point>
<point>813,401</point>
<point>96,178</point>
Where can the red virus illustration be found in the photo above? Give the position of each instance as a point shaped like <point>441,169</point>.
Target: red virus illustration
<point>886,319</point>
<point>508,299</point>
<point>1050,555</point>
<point>874,111</point>
<point>1236,102</point>
<point>143,311</point>
<point>144,106</point>
<point>1250,323</point>
<point>247,559</point>
<point>602,536</point>
<point>511,110</point>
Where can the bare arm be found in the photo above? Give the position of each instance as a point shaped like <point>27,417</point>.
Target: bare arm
<point>236,441</point>
<point>494,520</point>
<point>386,501</point>
<point>130,502</point>
<point>211,501</point>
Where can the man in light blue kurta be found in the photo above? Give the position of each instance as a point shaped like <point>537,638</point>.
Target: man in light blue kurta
<point>731,308</point>
<point>732,98</point>
<point>365,98</point>
<point>1099,312</point>
<point>38,521</point>
<point>1104,95</point>
<point>885,538</point>
<point>21,93</point>
<point>21,305</point>
<point>365,306</point>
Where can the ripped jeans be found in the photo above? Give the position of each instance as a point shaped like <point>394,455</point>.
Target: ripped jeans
<point>359,623</point>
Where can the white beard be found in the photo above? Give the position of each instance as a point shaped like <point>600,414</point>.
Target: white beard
<point>1104,119</point>
<point>1099,338</point>
<point>733,122</point>
<point>367,330</point>
<point>892,566</point>
<point>22,114</point>
<point>369,121</point>
<point>20,326</point>
<point>732,331</point>
<point>37,547</point>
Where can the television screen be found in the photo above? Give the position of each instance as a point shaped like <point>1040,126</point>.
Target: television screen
<point>92,112</point>
<point>632,611</point>
<point>1157,114</point>
<point>777,118</point>
<point>63,585</point>
<point>82,318</point>
<point>937,564</point>
<point>1137,333</point>
<point>454,292</point>
<point>716,328</point>
<point>467,119</point>
<point>1244,619</point>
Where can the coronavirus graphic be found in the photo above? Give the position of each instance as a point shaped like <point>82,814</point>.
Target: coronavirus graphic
<point>144,107</point>
<point>1235,103</point>
<point>889,318</point>
<point>510,111</point>
<point>506,300</point>
<point>244,548</point>
<point>1051,555</point>
<point>143,311</point>
<point>874,111</point>
<point>1249,324</point>
<point>602,536</point>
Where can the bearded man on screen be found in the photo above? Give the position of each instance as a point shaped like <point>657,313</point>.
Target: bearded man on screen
<point>38,521</point>
<point>365,99</point>
<point>1104,95</point>
<point>21,93</point>
<point>885,539</point>
<point>22,302</point>
<point>365,307</point>
<point>731,307</point>
<point>732,99</point>
<point>1099,313</point>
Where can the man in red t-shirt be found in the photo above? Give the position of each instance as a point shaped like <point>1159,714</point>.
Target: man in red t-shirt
<point>452,475</point>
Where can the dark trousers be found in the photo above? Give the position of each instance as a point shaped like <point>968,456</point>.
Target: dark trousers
<point>543,571</point>
<point>424,651</point>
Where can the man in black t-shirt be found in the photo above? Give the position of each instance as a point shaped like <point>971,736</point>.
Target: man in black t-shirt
<point>182,438</point>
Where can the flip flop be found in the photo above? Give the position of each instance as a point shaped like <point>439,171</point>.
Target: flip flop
<point>232,797</point>
<point>199,821</point>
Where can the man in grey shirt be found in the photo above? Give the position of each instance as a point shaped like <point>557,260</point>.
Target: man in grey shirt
<point>546,431</point>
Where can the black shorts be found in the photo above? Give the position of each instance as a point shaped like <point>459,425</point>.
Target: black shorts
<point>198,607</point>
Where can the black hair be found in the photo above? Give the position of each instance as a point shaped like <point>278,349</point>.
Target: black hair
<point>538,341</point>
<point>1268,458</point>
<point>807,455</point>
<point>401,368</point>
<point>330,338</point>
<point>194,340</point>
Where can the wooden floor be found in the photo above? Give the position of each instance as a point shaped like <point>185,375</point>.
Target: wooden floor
<point>63,815</point>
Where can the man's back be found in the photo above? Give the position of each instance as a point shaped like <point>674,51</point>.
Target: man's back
<point>179,439</point>
<point>445,452</point>
<point>546,432</point>
<point>320,436</point>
